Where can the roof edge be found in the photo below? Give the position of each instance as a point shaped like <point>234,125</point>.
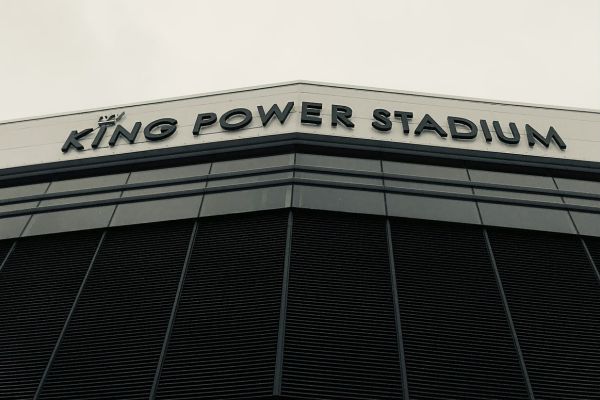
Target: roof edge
<point>311,83</point>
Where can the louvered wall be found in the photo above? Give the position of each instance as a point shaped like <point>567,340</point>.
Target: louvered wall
<point>340,328</point>
<point>554,298</point>
<point>113,342</point>
<point>224,339</point>
<point>457,339</point>
<point>38,284</point>
<point>340,339</point>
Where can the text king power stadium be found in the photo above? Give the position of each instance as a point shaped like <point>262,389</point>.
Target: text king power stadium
<point>301,241</point>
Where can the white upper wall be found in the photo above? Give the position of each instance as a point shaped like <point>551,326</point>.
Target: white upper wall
<point>38,141</point>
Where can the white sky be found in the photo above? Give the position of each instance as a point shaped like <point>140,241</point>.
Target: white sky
<point>68,55</point>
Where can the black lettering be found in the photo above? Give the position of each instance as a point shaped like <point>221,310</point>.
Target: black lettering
<point>168,126</point>
<point>204,119</point>
<point>486,130</point>
<point>99,136</point>
<point>533,135</point>
<point>472,134</point>
<point>129,136</point>
<point>342,114</point>
<point>405,116</point>
<point>311,113</point>
<point>505,139</point>
<point>223,121</point>
<point>73,140</point>
<point>428,123</point>
<point>275,111</point>
<point>382,120</point>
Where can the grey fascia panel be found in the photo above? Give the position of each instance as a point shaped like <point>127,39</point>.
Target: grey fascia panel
<point>13,227</point>
<point>69,220</point>
<point>161,174</point>
<point>246,164</point>
<point>425,171</point>
<point>239,201</point>
<point>250,179</point>
<point>349,163</point>
<point>338,199</point>
<point>577,185</point>
<point>338,178</point>
<point>587,224</point>
<point>432,208</point>
<point>523,217</point>
<point>157,210</point>
<point>512,179</point>
<point>141,212</point>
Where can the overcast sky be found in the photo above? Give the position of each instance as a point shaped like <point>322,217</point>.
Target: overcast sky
<point>60,56</point>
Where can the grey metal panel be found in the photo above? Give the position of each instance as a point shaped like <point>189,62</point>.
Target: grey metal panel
<point>333,199</point>
<point>353,164</point>
<point>76,219</point>
<point>141,212</point>
<point>338,178</point>
<point>13,226</point>
<point>246,164</point>
<point>517,180</point>
<point>250,179</point>
<point>19,191</point>
<point>577,185</point>
<point>587,223</point>
<point>431,208</point>
<point>506,194</point>
<point>87,183</point>
<point>506,178</point>
<point>157,210</point>
<point>246,200</point>
<point>536,218</point>
<point>12,192</point>
<point>84,183</point>
<point>425,171</point>
<point>427,186</point>
<point>160,174</point>
<point>69,220</point>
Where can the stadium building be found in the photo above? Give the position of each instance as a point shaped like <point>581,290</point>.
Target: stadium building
<point>301,241</point>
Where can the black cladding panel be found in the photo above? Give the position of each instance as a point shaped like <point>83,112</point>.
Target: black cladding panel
<point>457,339</point>
<point>38,284</point>
<point>112,345</point>
<point>554,297</point>
<point>340,338</point>
<point>224,338</point>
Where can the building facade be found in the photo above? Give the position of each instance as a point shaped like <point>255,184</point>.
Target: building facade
<point>301,241</point>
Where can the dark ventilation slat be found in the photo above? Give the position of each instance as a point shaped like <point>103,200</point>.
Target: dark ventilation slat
<point>224,339</point>
<point>5,246</point>
<point>554,299</point>
<point>457,338</point>
<point>38,284</point>
<point>112,345</point>
<point>340,339</point>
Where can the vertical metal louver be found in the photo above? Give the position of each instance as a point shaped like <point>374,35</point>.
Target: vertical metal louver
<point>224,339</point>
<point>113,342</point>
<point>340,337</point>
<point>457,338</point>
<point>554,299</point>
<point>38,284</point>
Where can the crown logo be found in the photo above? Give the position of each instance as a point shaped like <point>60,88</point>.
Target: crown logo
<point>110,120</point>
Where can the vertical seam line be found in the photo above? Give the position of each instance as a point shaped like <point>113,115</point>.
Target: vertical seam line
<point>174,308</point>
<point>278,378</point>
<point>508,314</point>
<point>69,317</point>
<point>399,340</point>
<point>590,259</point>
<point>10,251</point>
